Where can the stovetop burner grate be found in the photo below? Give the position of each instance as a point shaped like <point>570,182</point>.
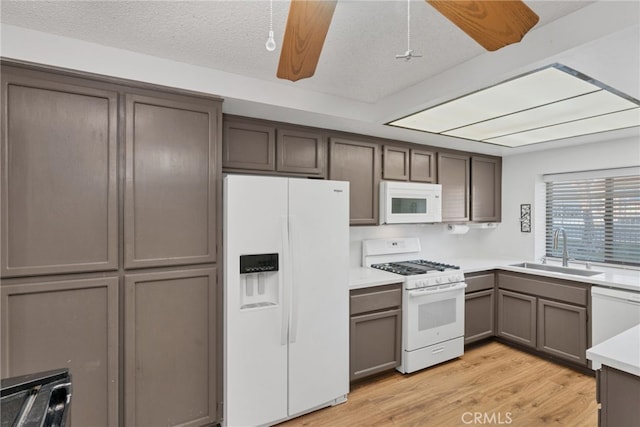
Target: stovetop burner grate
<point>414,267</point>
<point>440,266</point>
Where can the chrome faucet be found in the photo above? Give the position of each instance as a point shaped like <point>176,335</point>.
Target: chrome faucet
<point>565,253</point>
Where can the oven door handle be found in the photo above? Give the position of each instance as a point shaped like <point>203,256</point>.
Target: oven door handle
<point>433,290</point>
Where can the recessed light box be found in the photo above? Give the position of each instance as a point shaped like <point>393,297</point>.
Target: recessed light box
<point>551,103</point>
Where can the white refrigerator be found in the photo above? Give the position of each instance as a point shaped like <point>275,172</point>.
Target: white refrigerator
<point>286,337</point>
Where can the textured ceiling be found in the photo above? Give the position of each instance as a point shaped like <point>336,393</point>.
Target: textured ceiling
<point>357,62</point>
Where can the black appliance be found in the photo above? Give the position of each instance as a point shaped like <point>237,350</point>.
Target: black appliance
<point>42,399</point>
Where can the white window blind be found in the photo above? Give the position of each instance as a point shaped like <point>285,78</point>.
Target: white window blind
<point>600,215</point>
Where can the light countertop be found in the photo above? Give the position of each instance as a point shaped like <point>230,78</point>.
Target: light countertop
<point>362,277</point>
<point>620,352</point>
<point>365,277</point>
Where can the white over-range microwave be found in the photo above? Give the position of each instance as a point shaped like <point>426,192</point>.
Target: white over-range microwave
<point>410,203</point>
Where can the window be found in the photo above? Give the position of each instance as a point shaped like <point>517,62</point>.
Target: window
<point>600,212</point>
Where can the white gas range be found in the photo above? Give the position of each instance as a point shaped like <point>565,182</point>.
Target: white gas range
<point>432,301</point>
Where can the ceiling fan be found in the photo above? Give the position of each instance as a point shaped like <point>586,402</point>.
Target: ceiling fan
<point>493,24</point>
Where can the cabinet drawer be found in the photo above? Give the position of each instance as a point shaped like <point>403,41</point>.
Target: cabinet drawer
<point>479,282</point>
<point>373,299</point>
<point>557,290</point>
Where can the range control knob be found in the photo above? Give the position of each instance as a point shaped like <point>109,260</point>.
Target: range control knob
<point>439,280</point>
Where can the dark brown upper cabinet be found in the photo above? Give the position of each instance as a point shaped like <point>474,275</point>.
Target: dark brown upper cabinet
<point>454,176</point>
<point>358,163</point>
<point>423,166</point>
<point>300,152</point>
<point>257,146</point>
<point>170,187</point>
<point>486,189</point>
<point>59,183</point>
<point>248,146</point>
<point>404,164</point>
<point>471,187</point>
<point>395,163</point>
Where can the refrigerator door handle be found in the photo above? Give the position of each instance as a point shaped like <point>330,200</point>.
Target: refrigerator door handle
<point>284,280</point>
<point>294,300</point>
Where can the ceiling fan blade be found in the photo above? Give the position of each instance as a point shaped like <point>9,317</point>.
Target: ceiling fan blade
<point>493,24</point>
<point>307,27</point>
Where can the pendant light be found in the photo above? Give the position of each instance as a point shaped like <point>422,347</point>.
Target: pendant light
<point>271,43</point>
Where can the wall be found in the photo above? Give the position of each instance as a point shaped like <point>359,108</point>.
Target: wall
<point>522,183</point>
<point>437,244</point>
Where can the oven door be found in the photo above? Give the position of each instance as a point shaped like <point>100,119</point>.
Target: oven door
<point>433,315</point>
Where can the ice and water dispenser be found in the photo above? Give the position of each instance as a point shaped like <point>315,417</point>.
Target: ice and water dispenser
<point>259,284</point>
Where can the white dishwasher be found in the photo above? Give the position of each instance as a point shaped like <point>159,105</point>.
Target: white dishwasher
<point>612,311</point>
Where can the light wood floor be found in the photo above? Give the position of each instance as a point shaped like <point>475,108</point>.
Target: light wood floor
<point>509,386</point>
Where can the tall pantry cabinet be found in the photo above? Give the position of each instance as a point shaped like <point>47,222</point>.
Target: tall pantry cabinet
<point>110,214</point>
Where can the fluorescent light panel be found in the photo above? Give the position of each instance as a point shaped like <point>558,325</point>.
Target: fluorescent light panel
<point>620,120</point>
<point>537,107</point>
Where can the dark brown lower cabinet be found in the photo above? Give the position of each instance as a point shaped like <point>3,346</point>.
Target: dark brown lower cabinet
<point>618,393</point>
<point>478,315</point>
<point>376,330</point>
<point>517,317</point>
<point>562,330</point>
<point>479,306</point>
<point>52,324</point>
<point>551,327</point>
<point>549,315</point>
<point>169,341</point>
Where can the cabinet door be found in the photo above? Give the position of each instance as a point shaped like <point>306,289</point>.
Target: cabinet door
<point>423,166</point>
<point>59,165</point>
<point>359,164</point>
<point>562,330</point>
<point>478,316</point>
<point>170,182</point>
<point>170,357</point>
<point>619,395</point>
<point>300,152</point>
<point>248,146</point>
<point>486,185</point>
<point>453,175</point>
<point>66,324</point>
<point>375,343</point>
<point>395,163</point>
<point>517,317</point>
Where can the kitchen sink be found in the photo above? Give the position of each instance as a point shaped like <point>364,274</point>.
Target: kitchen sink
<point>557,269</point>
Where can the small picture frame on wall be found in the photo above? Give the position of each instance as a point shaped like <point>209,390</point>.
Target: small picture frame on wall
<point>525,218</point>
